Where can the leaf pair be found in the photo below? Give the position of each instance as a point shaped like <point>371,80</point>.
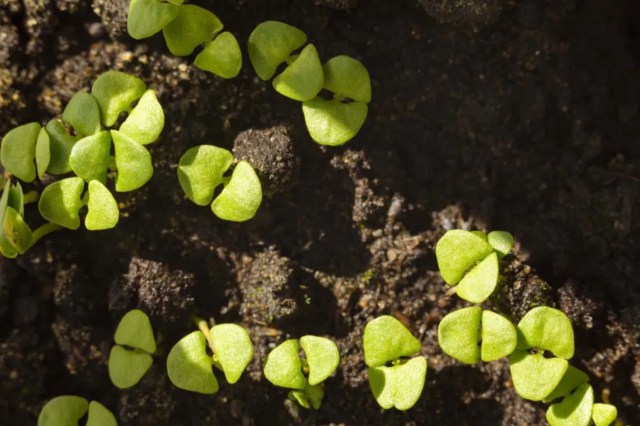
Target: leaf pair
<point>69,409</point>
<point>399,385</point>
<point>286,369</point>
<point>201,169</point>
<point>25,150</point>
<point>190,367</point>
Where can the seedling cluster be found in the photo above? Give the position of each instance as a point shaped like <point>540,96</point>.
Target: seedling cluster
<point>67,410</point>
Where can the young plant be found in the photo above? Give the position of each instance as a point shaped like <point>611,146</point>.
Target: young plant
<point>67,410</point>
<point>189,366</point>
<point>185,27</point>
<point>305,376</point>
<point>202,168</point>
<point>394,380</point>
<point>130,358</point>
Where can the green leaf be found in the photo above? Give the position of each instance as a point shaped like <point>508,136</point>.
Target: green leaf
<point>189,367</point>
<point>99,415</point>
<point>331,122</point>
<point>283,366</point>
<point>148,17</point>
<point>126,367</point>
<point>322,357</point>
<point>534,376</point>
<point>457,251</point>
<point>90,157</point>
<point>233,349</point>
<point>193,26</point>
<point>144,124</point>
<point>458,334</point>
<point>6,248</point>
<point>16,231</point>
<point>65,410</point>
<point>241,196</point>
<point>574,410</point>
<point>115,91</point>
<point>480,282</point>
<point>18,151</point>
<point>501,241</point>
<point>387,339</point>
<point>60,202</point>
<point>548,329</point>
<point>571,380</point>
<point>311,396</point>
<point>83,113</point>
<point>604,414</point>
<point>43,152</point>
<point>398,386</point>
<point>201,170</point>
<point>16,198</point>
<point>347,78</point>
<point>271,44</point>
<point>221,56</point>
<point>499,337</point>
<point>61,143</point>
<point>302,79</point>
<point>103,209</point>
<point>134,330</point>
<point>133,162</point>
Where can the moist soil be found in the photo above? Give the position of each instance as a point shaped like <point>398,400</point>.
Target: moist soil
<point>519,115</point>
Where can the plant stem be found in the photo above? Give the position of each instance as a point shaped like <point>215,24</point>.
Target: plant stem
<point>203,326</point>
<point>42,231</point>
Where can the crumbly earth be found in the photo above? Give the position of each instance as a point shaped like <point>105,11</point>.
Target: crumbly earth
<point>519,115</point>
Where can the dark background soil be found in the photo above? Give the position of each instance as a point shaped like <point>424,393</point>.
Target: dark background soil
<point>519,115</point>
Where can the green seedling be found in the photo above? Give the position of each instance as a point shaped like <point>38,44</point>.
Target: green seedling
<point>130,358</point>
<point>305,376</point>
<point>470,260</point>
<point>25,151</point>
<point>471,334</point>
<point>67,410</point>
<point>394,380</point>
<point>335,121</point>
<point>202,168</point>
<point>189,366</point>
<point>185,27</point>
<point>574,410</point>
<point>603,414</point>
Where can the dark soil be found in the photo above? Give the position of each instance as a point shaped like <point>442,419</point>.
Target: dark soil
<point>519,115</point>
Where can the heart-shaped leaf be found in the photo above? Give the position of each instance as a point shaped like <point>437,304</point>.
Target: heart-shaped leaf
<point>133,162</point>
<point>65,410</point>
<point>499,337</point>
<point>283,366</point>
<point>115,91</point>
<point>189,367</point>
<point>604,414</point>
<point>271,44</point>
<point>574,410</point>
<point>387,339</point>
<point>83,113</point>
<point>99,415</point>
<point>331,122</point>
<point>571,380</point>
<point>501,241</point>
<point>322,357</point>
<point>103,209</point>
<point>135,330</point>
<point>233,349</point>
<point>193,26</point>
<point>221,56</point>
<point>347,78</point>
<point>534,376</point>
<point>548,329</point>
<point>60,145</point>
<point>457,251</point>
<point>16,231</point>
<point>18,151</point>
<point>398,386</point>
<point>458,334</point>
<point>126,367</point>
<point>43,152</point>
<point>144,124</point>
<point>90,157</point>
<point>241,196</point>
<point>201,170</point>
<point>302,79</point>
<point>148,17</point>
<point>60,202</point>
<point>480,282</point>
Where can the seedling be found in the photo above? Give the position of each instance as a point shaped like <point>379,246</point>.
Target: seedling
<point>130,358</point>
<point>67,410</point>
<point>460,335</point>
<point>470,260</point>
<point>201,169</point>
<point>394,380</point>
<point>574,410</point>
<point>189,366</point>
<point>185,27</point>
<point>305,376</point>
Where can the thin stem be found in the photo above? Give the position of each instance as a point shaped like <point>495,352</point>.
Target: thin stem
<point>31,197</point>
<point>203,326</point>
<point>42,231</point>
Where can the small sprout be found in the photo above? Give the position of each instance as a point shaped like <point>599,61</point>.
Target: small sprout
<point>67,410</point>
<point>201,169</point>
<point>400,384</point>
<point>18,151</point>
<point>193,26</point>
<point>190,367</point>
<point>457,251</point>
<point>603,414</point>
<point>115,91</point>
<point>148,17</point>
<point>127,366</point>
<point>574,410</point>
<point>270,44</point>
<point>83,114</point>
<point>286,369</point>
<point>221,56</point>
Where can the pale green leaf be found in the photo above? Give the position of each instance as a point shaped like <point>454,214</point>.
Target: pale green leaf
<point>99,415</point>
<point>548,329</point>
<point>459,332</point>
<point>574,410</point>
<point>60,202</point>
<point>322,357</point>
<point>126,367</point>
<point>43,152</point>
<point>241,196</point>
<point>16,231</point>
<point>283,366</point>
<point>534,376</point>
<point>270,44</point>
<point>398,386</point>
<point>457,251</point>
<point>134,330</point>
<point>193,26</point>
<point>83,114</point>
<point>310,396</point>
<point>148,17</point>
<point>133,162</point>
<point>501,241</point>
<point>90,157</point>
<point>201,170</point>
<point>61,143</point>
<point>499,337</point>
<point>115,91</point>
<point>331,122</point>
<point>387,339</point>
<point>480,282</point>
<point>571,380</point>
<point>65,410</point>
<point>233,349</point>
<point>604,414</point>
<point>18,151</point>
<point>16,198</point>
<point>144,124</point>
<point>347,78</point>
<point>221,56</point>
<point>302,79</point>
<point>189,367</point>
<point>103,209</point>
